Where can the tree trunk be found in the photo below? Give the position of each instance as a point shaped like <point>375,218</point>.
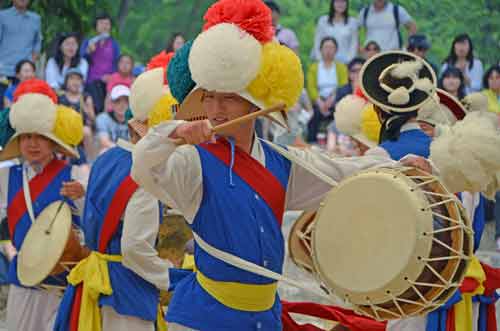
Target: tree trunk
<point>122,13</point>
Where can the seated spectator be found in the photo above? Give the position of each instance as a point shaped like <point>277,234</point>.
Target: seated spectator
<point>102,52</point>
<point>419,45</point>
<point>67,56</point>
<point>323,78</point>
<point>382,21</point>
<point>73,97</point>
<point>124,75</point>
<point>371,49</point>
<point>339,25</point>
<point>111,126</point>
<point>285,36</point>
<point>462,57</point>
<point>452,81</point>
<point>354,68</point>
<point>491,83</point>
<point>25,69</point>
<point>20,39</point>
<point>175,42</point>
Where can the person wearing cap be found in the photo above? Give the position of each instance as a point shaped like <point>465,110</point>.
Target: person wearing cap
<point>121,224</point>
<point>403,84</point>
<point>232,187</point>
<point>111,126</point>
<point>41,129</point>
<point>419,45</point>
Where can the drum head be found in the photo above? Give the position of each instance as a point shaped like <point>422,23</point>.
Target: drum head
<point>44,244</point>
<point>367,238</point>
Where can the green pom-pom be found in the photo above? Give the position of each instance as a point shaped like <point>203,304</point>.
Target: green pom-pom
<point>129,115</point>
<point>6,130</point>
<point>179,77</point>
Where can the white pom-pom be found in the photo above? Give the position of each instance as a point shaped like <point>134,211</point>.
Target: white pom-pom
<point>466,154</point>
<point>425,85</point>
<point>406,69</point>
<point>348,114</point>
<point>476,102</point>
<point>399,96</point>
<point>225,58</point>
<point>145,92</point>
<point>33,113</point>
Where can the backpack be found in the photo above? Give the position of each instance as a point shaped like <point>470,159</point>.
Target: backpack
<point>395,12</point>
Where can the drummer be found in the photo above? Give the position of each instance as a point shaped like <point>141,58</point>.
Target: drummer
<point>42,129</point>
<point>398,84</point>
<point>234,190</point>
<point>121,224</point>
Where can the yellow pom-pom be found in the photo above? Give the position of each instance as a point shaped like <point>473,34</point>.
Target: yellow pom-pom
<point>280,79</point>
<point>370,124</point>
<point>162,110</point>
<point>68,126</point>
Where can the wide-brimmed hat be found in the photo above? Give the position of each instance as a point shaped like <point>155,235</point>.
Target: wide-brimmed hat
<point>447,112</point>
<point>398,82</point>
<point>355,117</point>
<point>36,113</point>
<point>150,99</point>
<point>236,53</point>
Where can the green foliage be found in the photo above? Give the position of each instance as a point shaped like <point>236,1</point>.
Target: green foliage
<point>148,24</point>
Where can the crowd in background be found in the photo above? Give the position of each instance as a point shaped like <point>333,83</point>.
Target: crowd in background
<point>93,76</point>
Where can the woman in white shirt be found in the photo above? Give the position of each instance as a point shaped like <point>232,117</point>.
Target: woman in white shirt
<point>67,56</point>
<point>462,57</point>
<point>343,28</point>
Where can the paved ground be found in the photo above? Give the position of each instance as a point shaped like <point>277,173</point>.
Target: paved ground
<point>487,254</point>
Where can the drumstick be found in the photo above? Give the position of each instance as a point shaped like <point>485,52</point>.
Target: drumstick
<point>237,121</point>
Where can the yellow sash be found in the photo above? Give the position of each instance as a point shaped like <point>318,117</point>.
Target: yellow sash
<point>93,272</point>
<point>463,309</point>
<point>239,296</point>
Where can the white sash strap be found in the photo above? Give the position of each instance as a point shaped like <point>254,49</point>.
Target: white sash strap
<point>27,194</point>
<point>245,265</point>
<point>303,164</point>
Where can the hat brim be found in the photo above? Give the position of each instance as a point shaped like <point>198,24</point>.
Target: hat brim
<point>139,127</point>
<point>371,88</point>
<point>12,150</point>
<point>452,103</point>
<point>192,110</point>
<point>364,140</point>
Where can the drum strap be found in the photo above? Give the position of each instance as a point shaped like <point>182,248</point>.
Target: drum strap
<point>19,206</point>
<point>294,159</point>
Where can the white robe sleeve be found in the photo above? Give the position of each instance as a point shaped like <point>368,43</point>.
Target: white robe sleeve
<point>171,173</point>
<point>141,224</point>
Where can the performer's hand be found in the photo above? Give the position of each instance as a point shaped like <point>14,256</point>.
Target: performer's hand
<point>417,162</point>
<point>73,190</point>
<point>194,133</point>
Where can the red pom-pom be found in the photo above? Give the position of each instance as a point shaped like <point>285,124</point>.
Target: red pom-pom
<point>161,60</point>
<point>253,16</point>
<point>35,85</point>
<point>359,93</point>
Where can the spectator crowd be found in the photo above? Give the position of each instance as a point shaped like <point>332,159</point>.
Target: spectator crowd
<point>93,76</point>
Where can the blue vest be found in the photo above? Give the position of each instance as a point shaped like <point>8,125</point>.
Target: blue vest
<point>409,142</point>
<point>48,196</point>
<point>132,295</point>
<point>233,218</point>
